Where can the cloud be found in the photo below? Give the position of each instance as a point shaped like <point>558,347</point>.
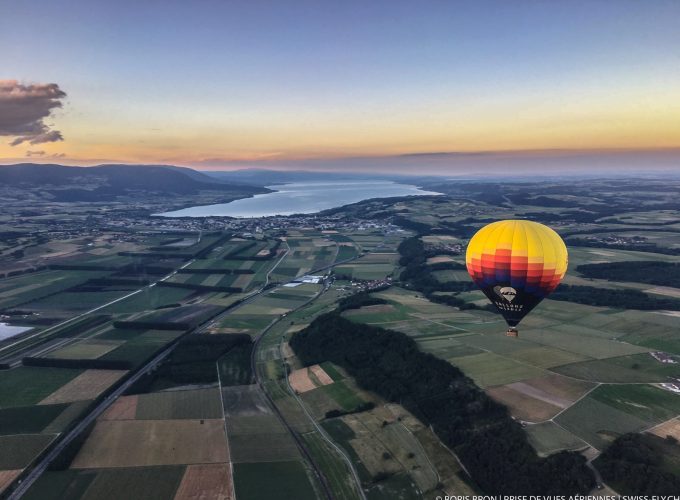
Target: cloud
<point>43,154</point>
<point>23,109</point>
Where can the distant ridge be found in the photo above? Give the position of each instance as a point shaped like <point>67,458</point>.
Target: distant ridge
<point>106,182</point>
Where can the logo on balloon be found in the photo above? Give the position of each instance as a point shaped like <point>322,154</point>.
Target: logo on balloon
<point>506,292</point>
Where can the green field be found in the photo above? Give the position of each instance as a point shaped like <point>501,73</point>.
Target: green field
<point>548,437</point>
<point>598,424</point>
<point>342,395</point>
<point>283,480</point>
<point>28,419</point>
<point>85,349</point>
<point>235,368</point>
<point>28,385</point>
<point>622,369</point>
<point>335,470</point>
<point>489,369</point>
<point>149,298</point>
<point>33,286</point>
<point>646,402</point>
<point>17,451</point>
<point>180,404</point>
<point>152,483</point>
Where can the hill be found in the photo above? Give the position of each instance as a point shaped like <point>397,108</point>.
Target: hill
<point>107,182</point>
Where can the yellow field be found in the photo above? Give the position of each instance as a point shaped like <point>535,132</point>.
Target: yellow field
<point>137,443</point>
<point>87,385</point>
<point>206,482</point>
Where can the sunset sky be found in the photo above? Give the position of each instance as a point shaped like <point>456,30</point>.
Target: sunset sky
<point>227,84</point>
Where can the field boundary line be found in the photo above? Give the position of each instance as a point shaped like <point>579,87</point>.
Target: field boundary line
<point>226,430</point>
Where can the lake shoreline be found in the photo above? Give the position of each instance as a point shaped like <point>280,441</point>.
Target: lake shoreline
<point>299,198</point>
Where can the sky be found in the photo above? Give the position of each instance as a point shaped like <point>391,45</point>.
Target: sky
<point>379,85</point>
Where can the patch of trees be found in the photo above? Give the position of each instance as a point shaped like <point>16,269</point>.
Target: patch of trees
<point>652,272</point>
<point>634,463</point>
<point>359,300</point>
<point>493,447</point>
<point>104,282</point>
<point>214,271</point>
<point>83,325</point>
<point>137,268</point>
<point>201,288</point>
<point>152,325</point>
<point>453,301</point>
<point>447,266</point>
<point>524,198</point>
<point>193,361</point>
<point>82,267</point>
<point>85,364</point>
<point>616,298</point>
<point>235,367</point>
<point>239,249</point>
<point>367,406</point>
<point>158,255</point>
<point>581,216</point>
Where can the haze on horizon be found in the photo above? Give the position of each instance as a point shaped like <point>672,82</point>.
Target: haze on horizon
<point>366,86</point>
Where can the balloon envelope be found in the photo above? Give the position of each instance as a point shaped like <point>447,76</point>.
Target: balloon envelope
<point>516,263</point>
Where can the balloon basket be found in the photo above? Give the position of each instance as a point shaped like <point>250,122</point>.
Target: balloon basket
<point>512,332</point>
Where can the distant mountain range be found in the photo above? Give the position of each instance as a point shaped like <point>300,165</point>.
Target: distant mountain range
<point>106,182</point>
<point>265,177</point>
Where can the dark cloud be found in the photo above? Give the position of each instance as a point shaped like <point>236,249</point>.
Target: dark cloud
<point>35,153</point>
<point>23,109</point>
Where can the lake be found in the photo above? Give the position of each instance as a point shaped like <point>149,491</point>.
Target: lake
<point>7,331</point>
<point>302,198</point>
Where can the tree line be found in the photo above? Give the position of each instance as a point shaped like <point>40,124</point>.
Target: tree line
<point>621,298</point>
<point>652,272</point>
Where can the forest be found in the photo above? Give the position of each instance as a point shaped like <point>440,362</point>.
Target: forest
<point>193,361</point>
<point>621,298</point>
<point>635,464</point>
<point>493,447</point>
<point>652,272</point>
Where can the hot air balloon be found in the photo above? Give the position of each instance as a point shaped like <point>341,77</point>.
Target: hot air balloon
<point>516,263</point>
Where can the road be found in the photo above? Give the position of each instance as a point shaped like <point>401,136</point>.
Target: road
<point>322,432</point>
<point>258,380</point>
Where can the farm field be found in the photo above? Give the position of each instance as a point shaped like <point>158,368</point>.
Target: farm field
<point>87,385</point>
<point>284,480</point>
<point>154,483</point>
<point>205,481</point>
<point>29,385</point>
<point>139,443</point>
<point>577,377</point>
<point>179,404</point>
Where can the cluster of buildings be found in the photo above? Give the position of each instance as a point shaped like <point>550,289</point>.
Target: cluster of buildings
<point>617,240</point>
<point>663,357</point>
